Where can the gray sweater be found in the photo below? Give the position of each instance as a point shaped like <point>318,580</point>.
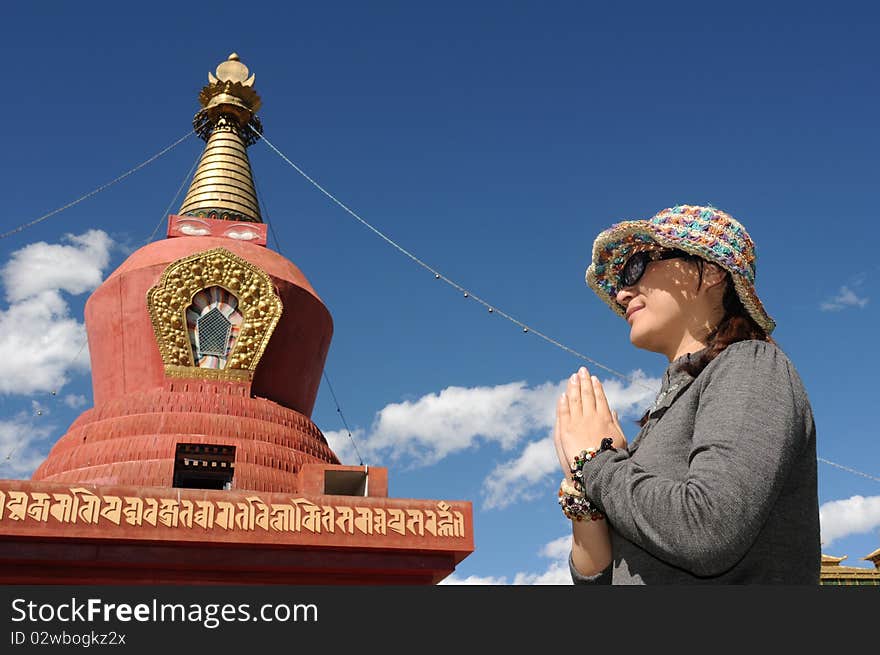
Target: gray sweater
<point>720,484</point>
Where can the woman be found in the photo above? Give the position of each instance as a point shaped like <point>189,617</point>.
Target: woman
<point>720,485</point>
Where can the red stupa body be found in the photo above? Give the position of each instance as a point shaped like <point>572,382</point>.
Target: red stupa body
<point>140,415</point>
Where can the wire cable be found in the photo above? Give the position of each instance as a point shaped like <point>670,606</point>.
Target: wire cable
<point>99,189</point>
<point>326,377</point>
<point>439,276</point>
<point>491,308</point>
<point>54,391</point>
<point>344,422</point>
<point>848,469</point>
<point>174,199</point>
<point>348,210</point>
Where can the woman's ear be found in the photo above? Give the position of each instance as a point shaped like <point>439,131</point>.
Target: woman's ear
<point>713,275</point>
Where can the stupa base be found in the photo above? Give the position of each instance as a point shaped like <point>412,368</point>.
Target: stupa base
<point>71,534</point>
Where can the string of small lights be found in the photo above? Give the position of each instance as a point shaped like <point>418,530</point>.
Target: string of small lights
<point>467,294</point>
<point>437,275</point>
<point>93,192</point>
<point>53,393</point>
<point>163,217</point>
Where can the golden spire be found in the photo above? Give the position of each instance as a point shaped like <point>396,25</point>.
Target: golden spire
<point>223,186</point>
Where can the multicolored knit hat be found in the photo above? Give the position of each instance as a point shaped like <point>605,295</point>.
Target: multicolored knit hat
<point>706,232</point>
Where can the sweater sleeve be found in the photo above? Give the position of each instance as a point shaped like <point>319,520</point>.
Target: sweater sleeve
<point>602,577</point>
<point>748,429</point>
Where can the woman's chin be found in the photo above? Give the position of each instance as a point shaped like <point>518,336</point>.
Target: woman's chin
<point>642,339</point>
<point>636,337</point>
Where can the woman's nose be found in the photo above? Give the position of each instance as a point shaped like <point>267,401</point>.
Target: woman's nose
<point>624,296</point>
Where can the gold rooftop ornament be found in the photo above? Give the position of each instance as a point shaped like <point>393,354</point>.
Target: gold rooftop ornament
<point>223,185</point>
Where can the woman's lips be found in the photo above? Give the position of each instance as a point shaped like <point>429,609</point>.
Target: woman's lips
<point>630,314</point>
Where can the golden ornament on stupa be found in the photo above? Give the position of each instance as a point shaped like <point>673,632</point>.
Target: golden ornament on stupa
<point>223,185</point>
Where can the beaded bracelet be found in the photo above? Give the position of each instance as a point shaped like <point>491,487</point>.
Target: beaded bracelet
<point>575,505</point>
<point>577,468</point>
<point>571,488</point>
<point>572,495</point>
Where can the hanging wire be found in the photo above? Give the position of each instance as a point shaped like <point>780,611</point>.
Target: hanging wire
<point>82,347</point>
<point>491,308</point>
<point>54,392</point>
<point>99,189</point>
<point>848,469</point>
<point>439,276</point>
<point>266,212</point>
<point>164,215</point>
<point>326,377</point>
<point>344,422</point>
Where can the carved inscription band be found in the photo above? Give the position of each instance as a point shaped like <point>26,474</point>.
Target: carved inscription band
<point>252,515</point>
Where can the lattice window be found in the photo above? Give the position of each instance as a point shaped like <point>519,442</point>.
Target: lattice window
<point>213,321</point>
<point>213,333</point>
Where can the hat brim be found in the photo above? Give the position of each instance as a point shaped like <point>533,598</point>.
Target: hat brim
<point>614,246</point>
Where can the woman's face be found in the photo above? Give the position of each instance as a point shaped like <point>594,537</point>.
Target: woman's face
<point>668,310</point>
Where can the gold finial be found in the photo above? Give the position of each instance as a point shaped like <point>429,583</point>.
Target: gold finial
<point>231,70</point>
<point>230,91</point>
<point>223,186</point>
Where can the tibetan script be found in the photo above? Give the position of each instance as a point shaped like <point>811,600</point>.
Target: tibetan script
<point>251,514</point>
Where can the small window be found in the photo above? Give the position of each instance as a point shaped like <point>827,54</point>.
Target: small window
<point>213,321</point>
<point>345,483</point>
<point>203,466</point>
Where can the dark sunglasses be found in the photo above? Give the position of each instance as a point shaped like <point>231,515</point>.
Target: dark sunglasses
<point>635,266</point>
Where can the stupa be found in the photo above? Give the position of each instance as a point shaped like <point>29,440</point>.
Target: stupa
<point>199,462</point>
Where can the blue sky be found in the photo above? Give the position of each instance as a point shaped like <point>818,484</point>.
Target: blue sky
<point>493,141</point>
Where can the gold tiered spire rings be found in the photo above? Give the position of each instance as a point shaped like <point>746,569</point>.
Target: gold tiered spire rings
<point>223,185</point>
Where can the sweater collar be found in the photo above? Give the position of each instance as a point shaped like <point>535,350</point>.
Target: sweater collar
<point>675,375</point>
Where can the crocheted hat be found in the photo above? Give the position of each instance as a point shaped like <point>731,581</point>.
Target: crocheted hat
<point>706,232</point>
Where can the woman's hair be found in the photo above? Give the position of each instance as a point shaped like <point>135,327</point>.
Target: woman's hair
<point>736,325</point>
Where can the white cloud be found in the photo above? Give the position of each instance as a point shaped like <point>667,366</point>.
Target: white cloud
<point>558,549</point>
<point>556,573</point>
<point>430,428</point>
<point>42,342</point>
<point>41,266</point>
<point>473,580</point>
<point>846,298</point>
<point>20,452</point>
<point>440,424</point>
<point>341,444</point>
<point>75,401</point>
<point>518,479</point>
<point>854,515</point>
<point>631,400</point>
<point>524,477</point>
